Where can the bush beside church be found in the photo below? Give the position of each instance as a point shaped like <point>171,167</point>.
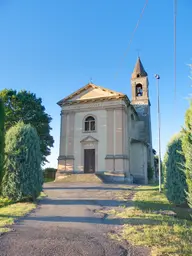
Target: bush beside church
<point>178,165</point>
<point>23,175</point>
<point>175,178</point>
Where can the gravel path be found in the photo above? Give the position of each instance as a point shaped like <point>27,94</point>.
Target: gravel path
<point>67,223</point>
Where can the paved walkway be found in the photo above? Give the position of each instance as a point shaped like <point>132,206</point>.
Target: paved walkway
<point>67,223</point>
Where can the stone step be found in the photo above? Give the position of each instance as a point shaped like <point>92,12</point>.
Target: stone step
<point>84,177</point>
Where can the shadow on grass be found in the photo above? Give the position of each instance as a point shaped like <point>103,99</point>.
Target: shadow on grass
<point>150,206</point>
<point>145,189</point>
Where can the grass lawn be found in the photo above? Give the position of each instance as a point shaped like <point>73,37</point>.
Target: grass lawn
<point>10,211</point>
<point>150,222</point>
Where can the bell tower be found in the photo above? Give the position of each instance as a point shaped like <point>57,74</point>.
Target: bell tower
<point>140,101</point>
<point>139,83</point>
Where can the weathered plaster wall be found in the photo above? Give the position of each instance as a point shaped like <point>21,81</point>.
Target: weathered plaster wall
<point>138,167</point>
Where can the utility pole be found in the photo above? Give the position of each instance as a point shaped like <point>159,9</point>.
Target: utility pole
<point>159,130</point>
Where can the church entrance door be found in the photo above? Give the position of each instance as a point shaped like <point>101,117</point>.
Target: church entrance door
<point>89,160</point>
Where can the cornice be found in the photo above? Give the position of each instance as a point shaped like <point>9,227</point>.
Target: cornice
<point>123,156</point>
<point>93,105</point>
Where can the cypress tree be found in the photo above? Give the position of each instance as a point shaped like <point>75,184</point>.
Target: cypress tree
<point>187,149</point>
<point>23,174</point>
<point>2,139</point>
<point>175,178</point>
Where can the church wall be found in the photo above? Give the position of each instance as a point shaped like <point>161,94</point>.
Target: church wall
<point>63,134</point>
<point>100,135</point>
<point>117,155</point>
<point>66,157</point>
<point>119,132</point>
<point>151,155</point>
<point>126,141</point>
<point>138,165</point>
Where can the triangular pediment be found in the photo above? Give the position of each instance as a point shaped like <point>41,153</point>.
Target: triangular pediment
<point>90,91</point>
<point>89,139</point>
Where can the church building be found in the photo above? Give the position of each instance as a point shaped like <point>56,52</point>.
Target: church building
<point>103,131</point>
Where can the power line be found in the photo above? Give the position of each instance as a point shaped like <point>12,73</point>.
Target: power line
<point>134,31</point>
<point>175,49</point>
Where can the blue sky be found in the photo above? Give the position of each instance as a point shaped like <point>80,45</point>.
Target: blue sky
<point>52,48</point>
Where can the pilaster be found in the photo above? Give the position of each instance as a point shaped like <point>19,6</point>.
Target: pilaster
<point>71,125</point>
<point>63,134</point>
<point>119,131</point>
<point>109,162</point>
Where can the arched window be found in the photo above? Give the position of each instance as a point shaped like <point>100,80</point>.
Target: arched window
<point>89,124</point>
<point>139,90</point>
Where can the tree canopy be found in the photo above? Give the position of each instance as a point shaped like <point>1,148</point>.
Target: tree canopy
<point>25,106</point>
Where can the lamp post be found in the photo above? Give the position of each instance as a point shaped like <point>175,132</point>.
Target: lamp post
<point>159,130</point>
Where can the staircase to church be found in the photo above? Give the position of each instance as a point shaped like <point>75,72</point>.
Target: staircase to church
<point>75,178</point>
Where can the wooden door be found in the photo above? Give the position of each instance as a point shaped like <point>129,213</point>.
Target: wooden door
<point>89,160</point>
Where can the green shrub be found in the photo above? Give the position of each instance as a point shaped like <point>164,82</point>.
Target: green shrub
<point>49,173</point>
<point>150,172</point>
<point>23,174</point>
<point>187,149</point>
<point>49,169</point>
<point>2,139</point>
<point>175,178</point>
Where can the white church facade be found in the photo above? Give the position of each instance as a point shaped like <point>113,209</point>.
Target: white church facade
<point>103,131</point>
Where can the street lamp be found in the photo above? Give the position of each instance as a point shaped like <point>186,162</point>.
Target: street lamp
<point>159,129</point>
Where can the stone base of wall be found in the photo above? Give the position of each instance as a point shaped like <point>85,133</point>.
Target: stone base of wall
<point>139,179</point>
<point>109,164</point>
<point>65,166</point>
<point>128,180</point>
<point>116,163</point>
<point>115,177</point>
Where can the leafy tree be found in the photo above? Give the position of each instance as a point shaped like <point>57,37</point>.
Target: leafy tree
<point>175,178</point>
<point>23,175</point>
<point>187,149</point>
<point>25,106</point>
<point>2,119</point>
